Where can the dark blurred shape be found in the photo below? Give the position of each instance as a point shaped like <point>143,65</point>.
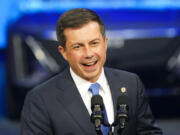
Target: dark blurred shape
<point>144,42</point>
<point>97,107</point>
<point>122,113</point>
<point>2,83</point>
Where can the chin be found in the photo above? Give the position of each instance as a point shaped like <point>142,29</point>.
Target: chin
<point>91,76</point>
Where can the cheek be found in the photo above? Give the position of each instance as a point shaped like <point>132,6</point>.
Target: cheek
<point>102,52</point>
<point>103,56</point>
<point>74,58</point>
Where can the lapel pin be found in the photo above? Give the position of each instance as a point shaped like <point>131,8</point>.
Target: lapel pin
<point>123,89</point>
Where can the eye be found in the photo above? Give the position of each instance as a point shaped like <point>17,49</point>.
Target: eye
<point>76,46</point>
<point>95,43</point>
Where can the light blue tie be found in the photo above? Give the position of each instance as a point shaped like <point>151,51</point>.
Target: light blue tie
<point>94,89</point>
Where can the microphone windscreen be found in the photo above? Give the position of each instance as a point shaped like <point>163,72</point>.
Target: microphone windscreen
<point>122,100</point>
<point>96,100</point>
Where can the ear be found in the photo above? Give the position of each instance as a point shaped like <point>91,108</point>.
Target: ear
<point>62,51</point>
<point>106,42</point>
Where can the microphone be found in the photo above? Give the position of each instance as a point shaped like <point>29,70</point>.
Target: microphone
<point>122,112</point>
<point>97,108</point>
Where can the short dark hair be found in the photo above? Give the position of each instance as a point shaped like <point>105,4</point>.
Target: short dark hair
<point>76,18</point>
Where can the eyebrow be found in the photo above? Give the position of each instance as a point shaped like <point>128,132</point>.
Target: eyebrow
<point>79,43</point>
<point>94,40</point>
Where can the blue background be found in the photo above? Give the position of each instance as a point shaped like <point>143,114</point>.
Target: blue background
<point>11,10</point>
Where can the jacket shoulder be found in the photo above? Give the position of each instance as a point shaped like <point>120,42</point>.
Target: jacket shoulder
<point>120,73</point>
<point>49,85</point>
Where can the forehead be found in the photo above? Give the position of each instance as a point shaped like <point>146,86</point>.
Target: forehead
<point>86,32</point>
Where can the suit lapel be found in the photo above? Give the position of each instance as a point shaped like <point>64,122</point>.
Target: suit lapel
<point>72,101</point>
<point>116,84</point>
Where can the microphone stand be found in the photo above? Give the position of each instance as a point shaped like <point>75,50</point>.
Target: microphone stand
<point>97,123</point>
<point>120,128</point>
<point>110,131</point>
<point>99,132</point>
<point>110,126</point>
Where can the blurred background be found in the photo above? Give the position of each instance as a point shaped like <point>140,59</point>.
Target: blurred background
<point>144,37</point>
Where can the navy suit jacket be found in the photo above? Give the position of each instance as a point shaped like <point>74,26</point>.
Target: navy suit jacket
<point>56,107</point>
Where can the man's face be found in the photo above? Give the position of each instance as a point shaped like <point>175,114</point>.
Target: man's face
<point>85,50</point>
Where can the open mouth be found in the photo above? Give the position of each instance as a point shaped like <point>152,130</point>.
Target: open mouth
<point>90,64</point>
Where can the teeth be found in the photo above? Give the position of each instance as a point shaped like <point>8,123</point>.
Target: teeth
<point>89,64</point>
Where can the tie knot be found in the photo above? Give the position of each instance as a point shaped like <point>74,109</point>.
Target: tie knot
<point>94,89</point>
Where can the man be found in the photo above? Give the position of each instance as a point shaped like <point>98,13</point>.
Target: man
<point>62,105</point>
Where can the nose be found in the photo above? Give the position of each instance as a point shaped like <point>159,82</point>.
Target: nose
<point>88,52</point>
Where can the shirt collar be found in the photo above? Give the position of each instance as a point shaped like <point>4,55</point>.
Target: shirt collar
<point>102,81</point>
<point>84,84</point>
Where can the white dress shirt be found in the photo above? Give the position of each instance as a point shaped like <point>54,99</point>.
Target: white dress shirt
<point>83,88</point>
